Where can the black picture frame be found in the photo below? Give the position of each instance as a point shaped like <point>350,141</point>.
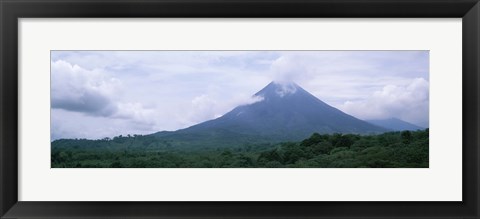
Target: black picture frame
<point>12,10</point>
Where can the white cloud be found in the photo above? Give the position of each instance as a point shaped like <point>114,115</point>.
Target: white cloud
<point>80,90</point>
<point>285,88</point>
<point>205,107</point>
<point>409,103</point>
<point>135,112</point>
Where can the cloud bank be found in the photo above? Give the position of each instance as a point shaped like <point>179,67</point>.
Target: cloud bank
<point>409,103</point>
<point>98,94</point>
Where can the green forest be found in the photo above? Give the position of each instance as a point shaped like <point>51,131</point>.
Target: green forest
<point>406,149</point>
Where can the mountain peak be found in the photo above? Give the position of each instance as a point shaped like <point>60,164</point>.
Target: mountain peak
<point>279,89</point>
<point>287,112</point>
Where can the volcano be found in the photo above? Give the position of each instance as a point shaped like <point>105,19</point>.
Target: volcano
<point>285,112</point>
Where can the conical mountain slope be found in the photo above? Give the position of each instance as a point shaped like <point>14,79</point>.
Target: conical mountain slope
<point>286,112</point>
<point>395,124</point>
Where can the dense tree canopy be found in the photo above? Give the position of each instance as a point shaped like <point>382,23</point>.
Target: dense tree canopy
<point>389,150</point>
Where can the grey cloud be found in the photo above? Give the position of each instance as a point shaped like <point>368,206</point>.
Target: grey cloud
<point>79,90</point>
<point>89,102</point>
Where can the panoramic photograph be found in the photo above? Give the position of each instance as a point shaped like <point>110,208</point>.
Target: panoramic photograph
<point>240,109</point>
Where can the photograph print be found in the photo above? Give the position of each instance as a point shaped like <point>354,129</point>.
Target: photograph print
<point>240,109</point>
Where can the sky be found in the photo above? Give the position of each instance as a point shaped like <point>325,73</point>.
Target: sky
<point>98,94</point>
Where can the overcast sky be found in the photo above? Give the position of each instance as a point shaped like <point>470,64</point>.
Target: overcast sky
<point>97,94</point>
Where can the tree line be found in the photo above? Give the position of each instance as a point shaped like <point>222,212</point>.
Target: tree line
<point>406,149</point>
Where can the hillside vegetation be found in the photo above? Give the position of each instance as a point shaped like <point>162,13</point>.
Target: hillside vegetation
<point>407,149</point>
